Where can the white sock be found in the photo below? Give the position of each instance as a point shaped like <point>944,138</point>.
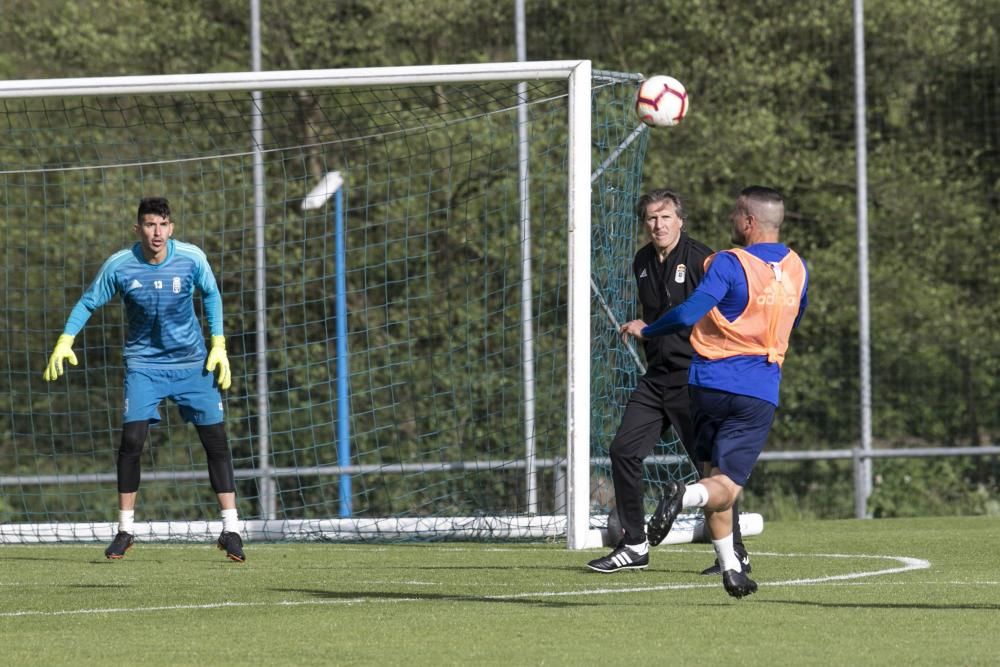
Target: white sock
<point>726,555</point>
<point>230,521</point>
<point>126,520</point>
<point>642,548</point>
<point>695,495</point>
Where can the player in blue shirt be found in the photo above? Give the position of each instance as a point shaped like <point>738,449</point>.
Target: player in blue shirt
<point>743,313</point>
<point>165,357</point>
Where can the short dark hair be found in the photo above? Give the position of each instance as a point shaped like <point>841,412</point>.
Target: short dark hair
<point>762,193</point>
<point>656,196</point>
<point>765,203</point>
<point>153,206</point>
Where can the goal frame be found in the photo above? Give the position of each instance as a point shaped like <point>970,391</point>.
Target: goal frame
<point>577,74</point>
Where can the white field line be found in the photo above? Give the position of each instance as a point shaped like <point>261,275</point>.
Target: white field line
<point>906,564</point>
<point>185,607</point>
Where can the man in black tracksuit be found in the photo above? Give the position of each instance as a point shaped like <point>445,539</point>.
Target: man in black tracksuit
<point>666,270</point>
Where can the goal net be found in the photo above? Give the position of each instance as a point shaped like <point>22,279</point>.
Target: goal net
<point>420,270</point>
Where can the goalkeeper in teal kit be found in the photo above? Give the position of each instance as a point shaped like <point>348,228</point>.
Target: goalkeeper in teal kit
<point>165,357</point>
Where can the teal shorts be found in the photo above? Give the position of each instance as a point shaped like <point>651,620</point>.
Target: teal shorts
<point>194,390</point>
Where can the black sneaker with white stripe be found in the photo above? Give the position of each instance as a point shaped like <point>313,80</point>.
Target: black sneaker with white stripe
<point>622,558</point>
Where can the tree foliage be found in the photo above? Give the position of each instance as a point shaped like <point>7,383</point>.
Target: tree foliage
<point>773,102</point>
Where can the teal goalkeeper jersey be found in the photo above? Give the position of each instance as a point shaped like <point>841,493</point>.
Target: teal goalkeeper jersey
<point>163,330</point>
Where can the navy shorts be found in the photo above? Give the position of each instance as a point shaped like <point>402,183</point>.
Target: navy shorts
<point>194,390</point>
<point>730,430</point>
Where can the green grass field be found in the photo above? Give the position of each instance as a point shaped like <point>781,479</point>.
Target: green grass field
<point>888,592</point>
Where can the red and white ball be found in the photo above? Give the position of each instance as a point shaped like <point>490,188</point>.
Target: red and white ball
<point>661,101</point>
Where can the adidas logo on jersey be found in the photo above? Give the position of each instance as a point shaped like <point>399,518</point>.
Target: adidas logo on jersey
<point>135,284</point>
<point>643,274</point>
<point>770,298</point>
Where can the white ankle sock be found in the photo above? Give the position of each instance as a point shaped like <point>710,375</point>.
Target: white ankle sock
<point>642,548</point>
<point>726,555</point>
<point>126,520</point>
<point>695,495</point>
<point>230,521</point>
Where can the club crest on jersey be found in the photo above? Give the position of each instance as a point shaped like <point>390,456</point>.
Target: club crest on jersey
<point>679,273</point>
<point>175,285</point>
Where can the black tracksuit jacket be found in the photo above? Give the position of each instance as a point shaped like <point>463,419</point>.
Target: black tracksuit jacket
<point>660,288</point>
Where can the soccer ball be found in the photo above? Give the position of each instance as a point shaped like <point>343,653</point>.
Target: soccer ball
<point>661,101</point>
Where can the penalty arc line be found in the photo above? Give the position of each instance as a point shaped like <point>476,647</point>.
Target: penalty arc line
<point>907,564</point>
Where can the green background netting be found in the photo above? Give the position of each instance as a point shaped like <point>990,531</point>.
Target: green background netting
<point>433,278</point>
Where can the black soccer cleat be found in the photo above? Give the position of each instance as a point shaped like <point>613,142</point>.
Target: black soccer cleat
<point>666,513</point>
<point>741,553</point>
<point>738,584</point>
<point>622,558</point>
<point>232,544</point>
<point>122,543</point>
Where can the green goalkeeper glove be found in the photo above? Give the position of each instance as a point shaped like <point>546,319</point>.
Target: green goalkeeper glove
<point>217,359</point>
<point>63,351</point>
